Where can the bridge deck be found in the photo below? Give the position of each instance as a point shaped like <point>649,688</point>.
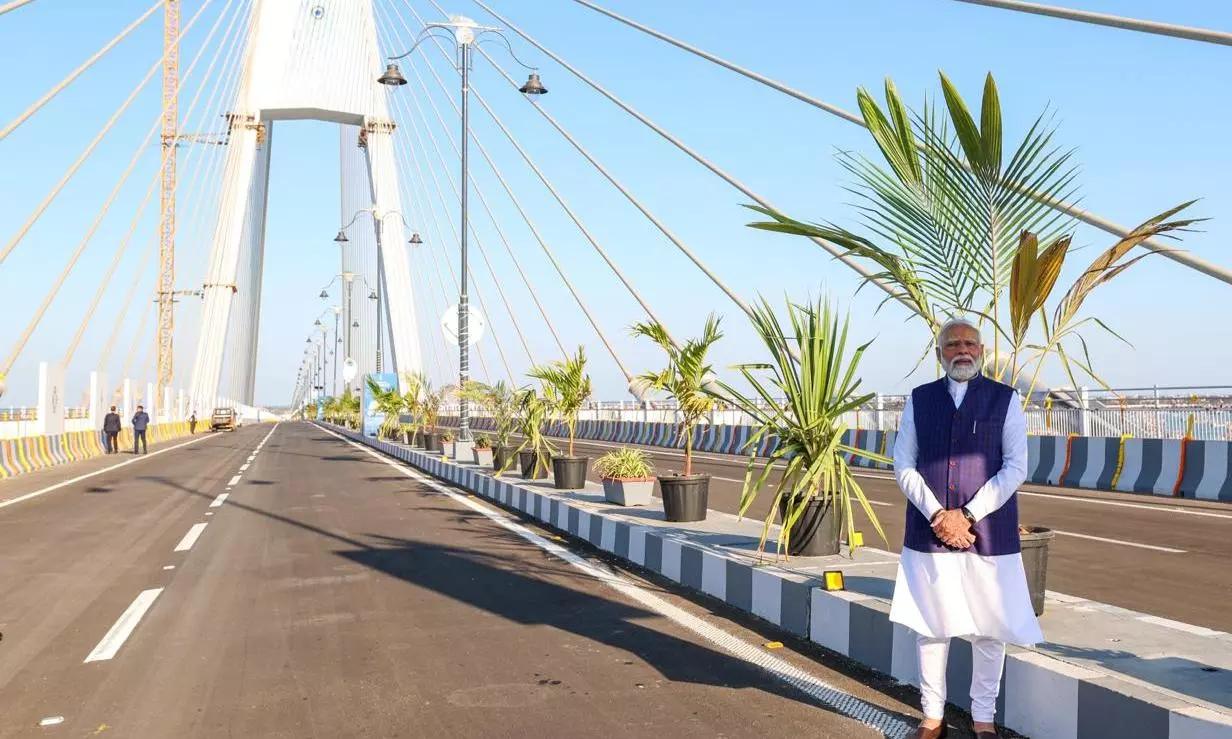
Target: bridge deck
<point>330,596</point>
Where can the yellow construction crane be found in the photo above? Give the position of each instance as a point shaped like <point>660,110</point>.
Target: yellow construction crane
<point>166,249</point>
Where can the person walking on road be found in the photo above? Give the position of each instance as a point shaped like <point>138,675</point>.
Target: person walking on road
<point>959,458</point>
<point>141,420</point>
<point>111,428</point>
<point>192,423</point>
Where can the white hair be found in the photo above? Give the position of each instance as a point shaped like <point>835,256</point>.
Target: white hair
<point>954,322</point>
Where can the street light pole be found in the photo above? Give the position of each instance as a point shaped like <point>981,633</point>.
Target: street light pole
<point>337,341</point>
<point>464,354</point>
<point>465,33</point>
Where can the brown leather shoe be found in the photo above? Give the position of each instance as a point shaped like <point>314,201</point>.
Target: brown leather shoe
<point>941,732</point>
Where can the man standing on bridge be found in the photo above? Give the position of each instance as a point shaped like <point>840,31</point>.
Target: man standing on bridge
<point>960,455</point>
<point>141,420</point>
<point>111,428</point>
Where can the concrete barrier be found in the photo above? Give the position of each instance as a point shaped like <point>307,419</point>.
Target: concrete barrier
<point>1208,470</point>
<point>31,453</point>
<point>1196,469</point>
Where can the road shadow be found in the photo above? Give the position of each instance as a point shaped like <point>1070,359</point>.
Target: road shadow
<point>516,589</point>
<point>98,489</point>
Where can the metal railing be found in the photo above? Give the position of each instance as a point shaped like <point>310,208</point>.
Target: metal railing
<point>1148,413</point>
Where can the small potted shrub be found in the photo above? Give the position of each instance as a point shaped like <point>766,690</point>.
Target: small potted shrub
<point>686,378</point>
<point>535,452</point>
<point>430,410</point>
<point>445,443</point>
<point>566,387</point>
<point>799,397</point>
<point>501,403</point>
<point>626,476</point>
<point>483,450</point>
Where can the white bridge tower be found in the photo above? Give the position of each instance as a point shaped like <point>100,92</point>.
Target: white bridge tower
<point>307,59</point>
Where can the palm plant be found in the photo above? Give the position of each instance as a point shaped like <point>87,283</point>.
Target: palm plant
<point>532,413</point>
<point>955,227</point>
<point>412,402</point>
<point>684,378</point>
<point>566,387</point>
<point>500,401</point>
<point>390,404</point>
<point>800,397</point>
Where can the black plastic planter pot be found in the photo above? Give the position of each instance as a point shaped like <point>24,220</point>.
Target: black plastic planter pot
<point>417,440</point>
<point>432,442</point>
<point>1035,562</point>
<point>502,453</point>
<point>685,498</point>
<point>570,472</point>
<point>530,470</point>
<point>816,531</point>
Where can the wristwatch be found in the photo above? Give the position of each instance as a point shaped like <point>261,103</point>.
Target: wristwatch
<point>967,515</point>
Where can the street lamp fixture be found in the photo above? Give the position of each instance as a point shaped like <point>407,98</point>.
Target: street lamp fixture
<point>341,238</point>
<point>415,239</point>
<point>465,34</point>
<point>393,76</point>
<point>324,295</point>
<point>373,296</point>
<point>533,86</point>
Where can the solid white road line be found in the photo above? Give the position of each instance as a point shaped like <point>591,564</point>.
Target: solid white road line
<point>1169,550</point>
<point>190,538</point>
<point>234,480</point>
<point>849,705</point>
<point>168,567</point>
<point>52,721</point>
<point>120,631</point>
<point>88,475</point>
<point>222,498</point>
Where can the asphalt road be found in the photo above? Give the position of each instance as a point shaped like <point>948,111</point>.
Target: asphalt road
<point>1163,557</point>
<point>331,595</point>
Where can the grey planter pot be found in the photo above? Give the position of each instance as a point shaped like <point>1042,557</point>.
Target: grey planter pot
<point>629,491</point>
<point>462,451</point>
<point>482,457</point>
<point>1035,562</point>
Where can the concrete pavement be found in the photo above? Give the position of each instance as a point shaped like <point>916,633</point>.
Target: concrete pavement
<point>329,596</point>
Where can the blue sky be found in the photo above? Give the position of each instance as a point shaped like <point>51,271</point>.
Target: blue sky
<point>1147,115</point>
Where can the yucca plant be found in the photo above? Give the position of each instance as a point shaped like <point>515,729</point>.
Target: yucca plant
<point>566,388</point>
<point>684,378</point>
<point>954,227</point>
<point>800,397</point>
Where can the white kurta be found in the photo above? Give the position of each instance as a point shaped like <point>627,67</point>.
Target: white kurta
<point>951,594</point>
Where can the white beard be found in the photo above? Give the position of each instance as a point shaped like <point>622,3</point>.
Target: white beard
<point>963,372</point>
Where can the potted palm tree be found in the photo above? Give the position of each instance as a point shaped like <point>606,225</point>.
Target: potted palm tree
<point>535,452</point>
<point>501,402</point>
<point>430,409</point>
<point>412,401</point>
<point>566,387</point>
<point>685,379</point>
<point>626,477</point>
<point>956,228</point>
<point>799,397</point>
<point>389,403</point>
